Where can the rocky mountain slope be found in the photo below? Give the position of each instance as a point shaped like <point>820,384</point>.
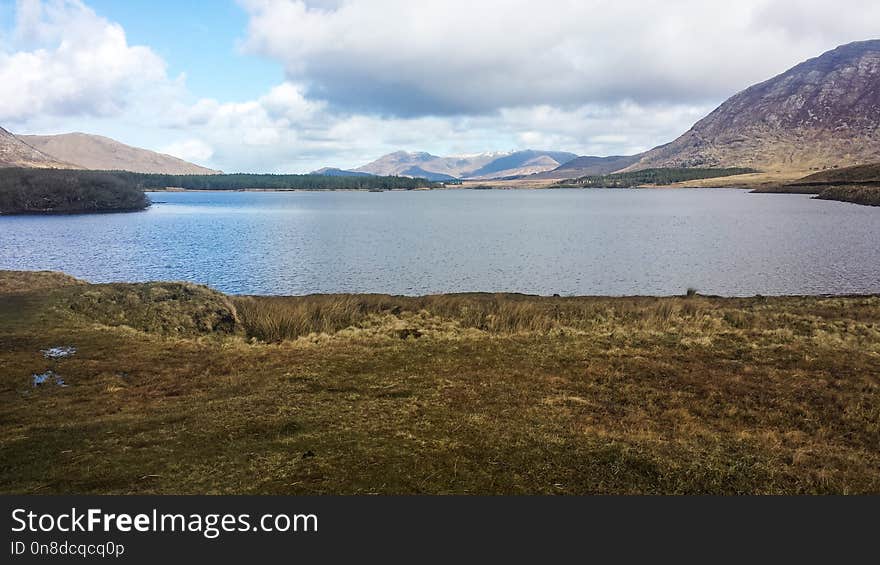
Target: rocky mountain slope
<point>823,112</point>
<point>104,154</point>
<point>16,153</point>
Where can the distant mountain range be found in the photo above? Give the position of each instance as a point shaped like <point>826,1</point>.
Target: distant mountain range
<point>84,151</point>
<point>479,166</point>
<point>487,166</point>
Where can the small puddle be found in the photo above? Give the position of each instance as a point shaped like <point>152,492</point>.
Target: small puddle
<point>58,352</point>
<point>49,377</point>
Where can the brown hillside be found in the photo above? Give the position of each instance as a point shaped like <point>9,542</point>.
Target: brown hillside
<point>100,153</point>
<point>16,153</point>
<point>823,112</point>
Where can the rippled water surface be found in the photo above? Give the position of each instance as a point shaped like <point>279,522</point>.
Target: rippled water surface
<point>603,242</point>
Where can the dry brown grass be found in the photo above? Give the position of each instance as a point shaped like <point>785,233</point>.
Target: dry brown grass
<point>275,319</point>
<point>750,180</point>
<point>164,308</point>
<point>444,394</point>
<point>29,281</point>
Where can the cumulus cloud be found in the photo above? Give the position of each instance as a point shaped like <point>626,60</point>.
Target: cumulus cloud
<point>62,59</point>
<point>398,57</point>
<point>194,150</point>
<point>282,107</point>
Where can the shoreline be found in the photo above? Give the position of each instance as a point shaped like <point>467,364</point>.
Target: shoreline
<point>75,212</point>
<point>519,295</point>
<point>440,189</point>
<point>175,189</point>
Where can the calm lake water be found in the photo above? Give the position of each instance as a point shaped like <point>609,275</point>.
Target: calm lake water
<point>601,242</point>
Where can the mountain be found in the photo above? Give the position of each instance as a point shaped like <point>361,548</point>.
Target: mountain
<point>104,154</point>
<point>400,161</point>
<point>418,172</point>
<point>478,166</point>
<point>16,153</point>
<point>823,112</point>
<point>394,163</point>
<point>588,166</point>
<point>522,163</point>
<point>334,172</point>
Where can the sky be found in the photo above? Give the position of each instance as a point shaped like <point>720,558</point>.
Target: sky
<point>292,86</point>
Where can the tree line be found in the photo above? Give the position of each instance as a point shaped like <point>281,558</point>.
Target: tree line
<point>57,191</point>
<point>239,181</point>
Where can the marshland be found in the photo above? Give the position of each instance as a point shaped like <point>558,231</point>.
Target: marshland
<point>177,388</point>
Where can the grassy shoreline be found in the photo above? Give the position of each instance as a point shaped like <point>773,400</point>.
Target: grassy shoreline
<point>859,184</point>
<point>175,388</point>
<point>865,195</point>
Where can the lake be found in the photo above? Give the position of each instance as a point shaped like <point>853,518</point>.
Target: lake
<point>568,242</point>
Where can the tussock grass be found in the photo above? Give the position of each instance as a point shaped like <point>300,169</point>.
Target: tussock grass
<point>275,319</point>
<point>163,308</point>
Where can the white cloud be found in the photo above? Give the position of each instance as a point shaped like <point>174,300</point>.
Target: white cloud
<point>283,107</point>
<point>592,77</point>
<point>194,150</point>
<point>286,101</point>
<point>460,56</point>
<point>69,61</point>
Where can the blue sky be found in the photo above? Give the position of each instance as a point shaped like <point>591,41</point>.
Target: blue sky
<point>294,85</point>
<point>200,39</point>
